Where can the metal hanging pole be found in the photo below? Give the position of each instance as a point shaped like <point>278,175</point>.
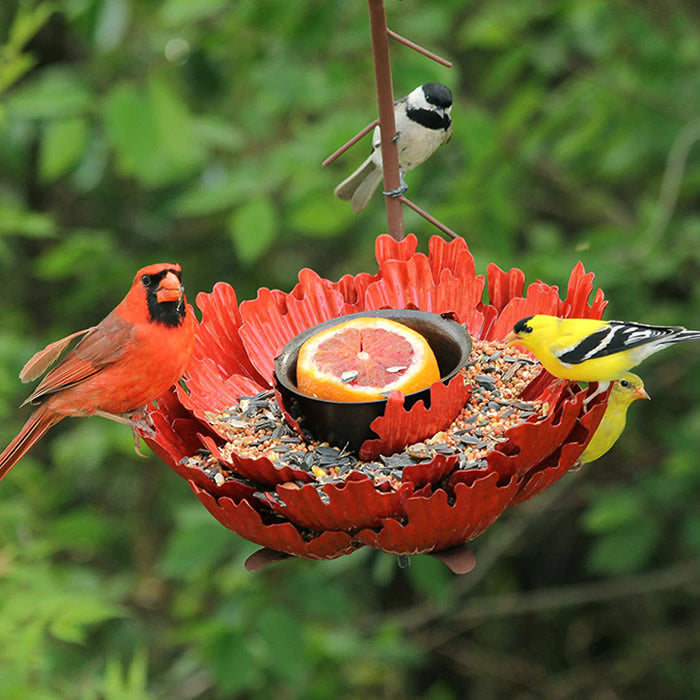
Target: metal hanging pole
<point>387,124</point>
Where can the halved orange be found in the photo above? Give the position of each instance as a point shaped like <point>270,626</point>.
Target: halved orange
<point>365,359</point>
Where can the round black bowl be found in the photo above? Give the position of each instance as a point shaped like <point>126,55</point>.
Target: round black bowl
<point>347,422</point>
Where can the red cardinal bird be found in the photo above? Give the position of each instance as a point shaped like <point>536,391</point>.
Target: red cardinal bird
<point>135,354</point>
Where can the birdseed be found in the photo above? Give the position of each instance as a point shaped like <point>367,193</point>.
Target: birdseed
<point>255,427</point>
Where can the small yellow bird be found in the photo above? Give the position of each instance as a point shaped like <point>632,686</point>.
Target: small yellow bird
<point>625,390</point>
<point>589,350</point>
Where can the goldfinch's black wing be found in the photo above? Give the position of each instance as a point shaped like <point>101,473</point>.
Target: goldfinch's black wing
<point>618,336</point>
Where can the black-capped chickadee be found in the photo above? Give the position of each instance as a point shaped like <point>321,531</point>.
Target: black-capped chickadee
<point>423,124</point>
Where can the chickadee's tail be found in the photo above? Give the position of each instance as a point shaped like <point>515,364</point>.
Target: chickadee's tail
<point>359,187</point>
<point>39,422</point>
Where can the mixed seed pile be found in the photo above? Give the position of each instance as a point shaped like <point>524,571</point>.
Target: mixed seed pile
<point>255,427</point>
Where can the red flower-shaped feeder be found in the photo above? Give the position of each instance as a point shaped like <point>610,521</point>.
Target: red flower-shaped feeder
<point>437,475</point>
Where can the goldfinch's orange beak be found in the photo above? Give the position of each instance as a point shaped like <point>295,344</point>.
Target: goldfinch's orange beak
<point>640,393</point>
<point>169,289</point>
<point>511,339</point>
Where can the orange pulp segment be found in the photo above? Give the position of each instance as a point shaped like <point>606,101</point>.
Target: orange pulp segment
<point>365,359</point>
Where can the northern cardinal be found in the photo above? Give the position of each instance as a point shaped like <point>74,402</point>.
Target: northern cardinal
<point>135,354</point>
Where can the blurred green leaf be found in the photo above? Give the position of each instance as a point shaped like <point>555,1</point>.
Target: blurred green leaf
<point>253,228</point>
<point>196,546</point>
<point>182,12</point>
<point>152,123</point>
<point>321,216</point>
<point>69,623</point>
<point>624,549</point>
<point>128,683</point>
<point>53,93</point>
<point>21,222</point>
<point>613,509</point>
<point>62,146</point>
<point>27,21</point>
<point>232,663</point>
<point>431,577</point>
<point>112,23</point>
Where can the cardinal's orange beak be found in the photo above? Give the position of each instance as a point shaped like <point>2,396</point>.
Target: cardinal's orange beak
<point>169,289</point>
<point>640,393</point>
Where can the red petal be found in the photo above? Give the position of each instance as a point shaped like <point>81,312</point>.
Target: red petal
<point>504,286</point>
<point>217,335</point>
<point>208,391</point>
<point>177,438</point>
<point>433,524</point>
<point>353,289</point>
<point>452,260</point>
<point>352,505</point>
<point>177,432</point>
<point>260,469</point>
<point>481,321</point>
<point>402,285</point>
<point>559,462</point>
<point>540,299</point>
<point>430,472</point>
<point>453,256</point>
<point>273,318</point>
<point>531,442</point>
<point>245,521</point>
<point>579,290</point>
<point>538,386</point>
<point>388,248</point>
<point>399,427</point>
<point>410,284</point>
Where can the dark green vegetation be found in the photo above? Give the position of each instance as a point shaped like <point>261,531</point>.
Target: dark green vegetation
<point>135,131</point>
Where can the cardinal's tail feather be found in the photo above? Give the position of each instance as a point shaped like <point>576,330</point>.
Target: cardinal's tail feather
<point>39,422</point>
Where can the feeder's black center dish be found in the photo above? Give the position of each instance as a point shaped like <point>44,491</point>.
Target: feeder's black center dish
<point>347,422</point>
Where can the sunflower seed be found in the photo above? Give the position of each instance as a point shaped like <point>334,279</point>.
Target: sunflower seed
<point>484,379</point>
<point>469,440</point>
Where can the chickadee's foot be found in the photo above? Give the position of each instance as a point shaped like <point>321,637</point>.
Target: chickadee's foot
<point>395,137</point>
<point>399,190</point>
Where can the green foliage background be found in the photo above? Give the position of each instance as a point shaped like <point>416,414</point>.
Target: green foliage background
<point>134,131</point>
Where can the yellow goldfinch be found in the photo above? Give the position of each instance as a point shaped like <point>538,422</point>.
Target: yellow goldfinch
<point>588,350</point>
<point>625,390</point>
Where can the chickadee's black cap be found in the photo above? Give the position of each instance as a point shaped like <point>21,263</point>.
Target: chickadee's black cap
<point>437,94</point>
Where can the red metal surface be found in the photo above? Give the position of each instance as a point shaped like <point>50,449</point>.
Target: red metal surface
<point>399,427</point>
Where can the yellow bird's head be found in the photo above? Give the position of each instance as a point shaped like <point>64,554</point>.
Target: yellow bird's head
<point>532,330</point>
<point>628,388</point>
